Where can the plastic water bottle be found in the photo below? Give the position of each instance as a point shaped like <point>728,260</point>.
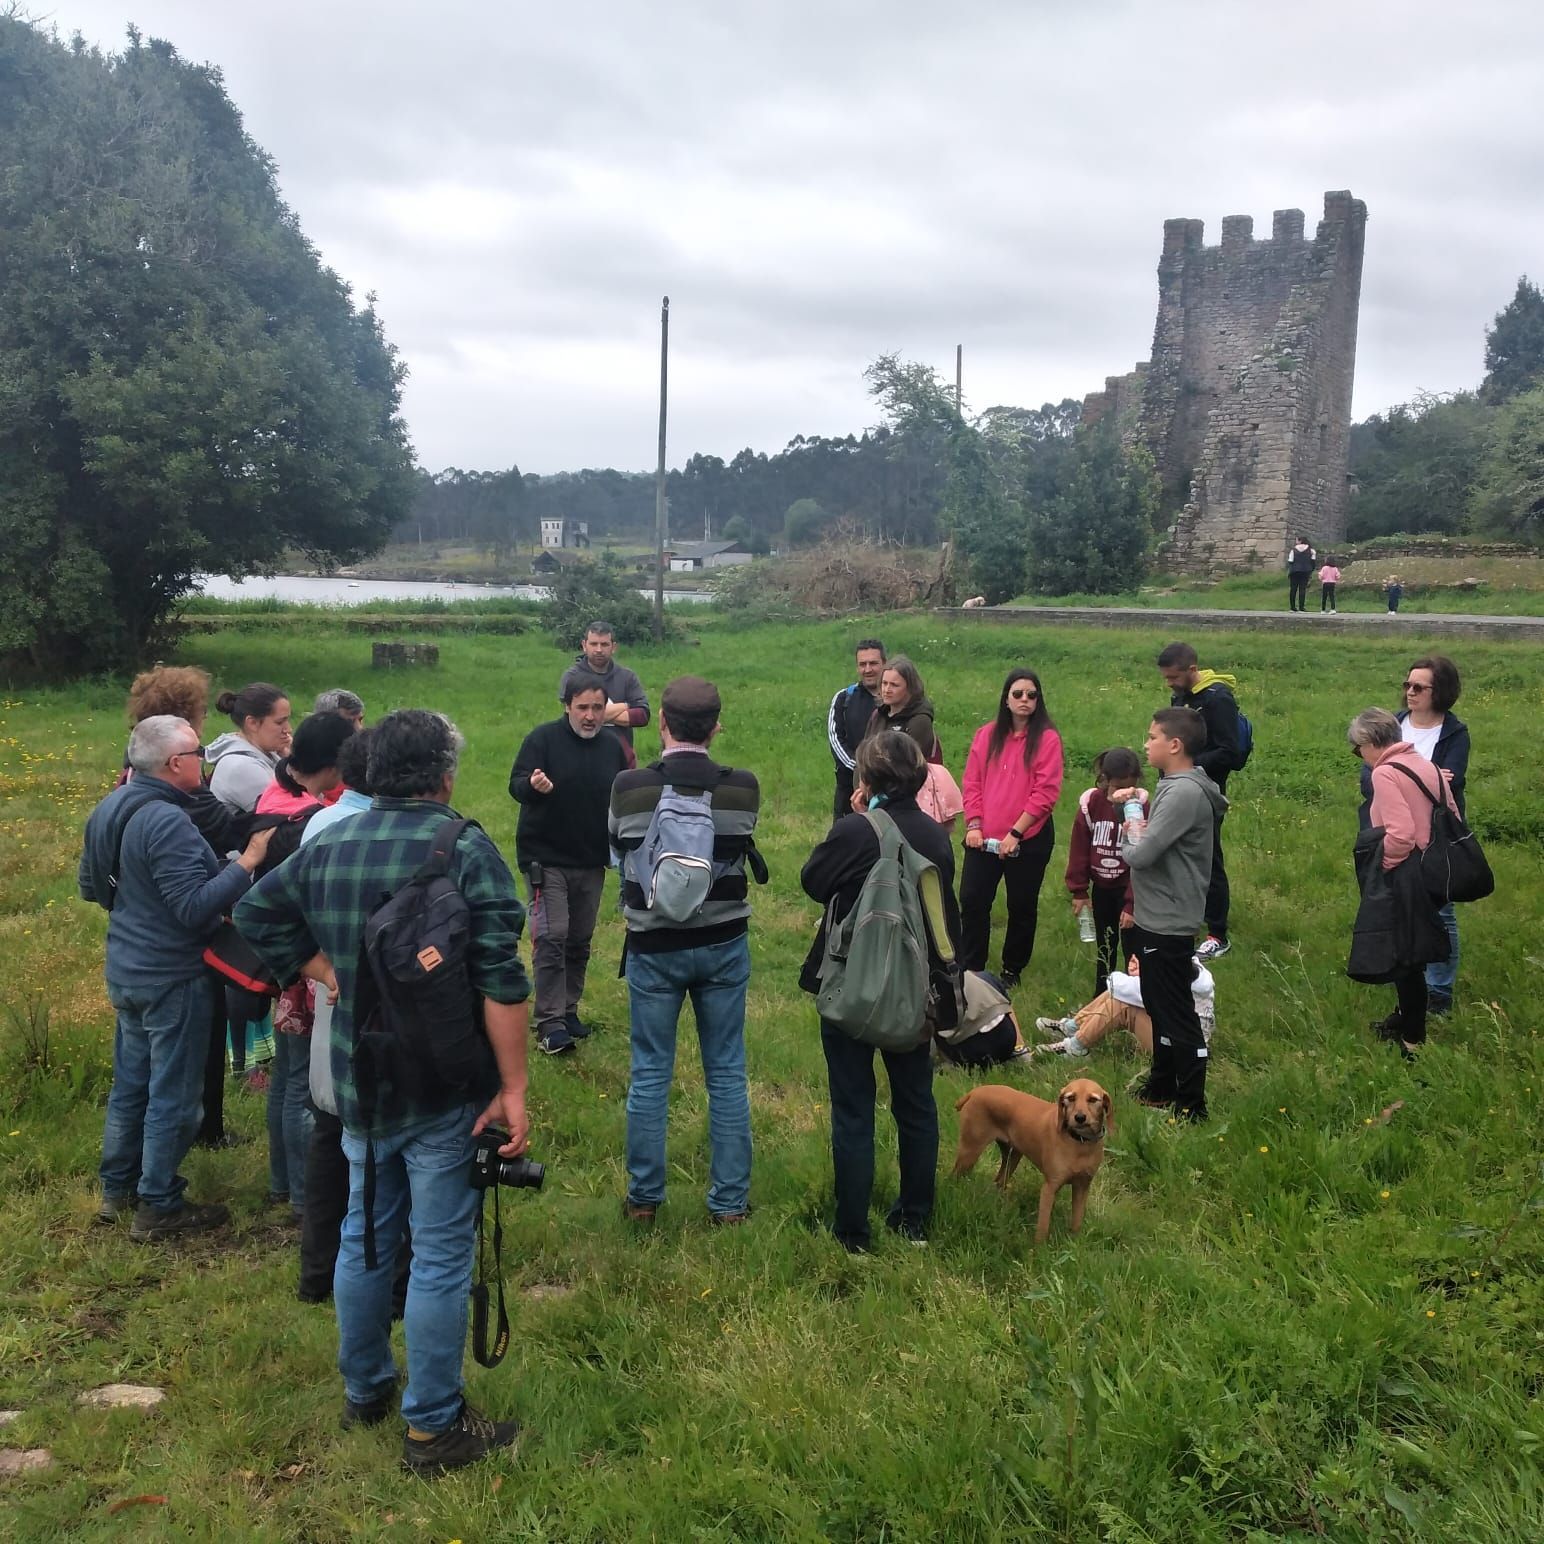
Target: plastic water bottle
<point>1087,933</point>
<point>1134,813</point>
<point>992,845</point>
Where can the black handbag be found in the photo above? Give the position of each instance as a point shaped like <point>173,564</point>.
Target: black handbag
<point>1453,865</point>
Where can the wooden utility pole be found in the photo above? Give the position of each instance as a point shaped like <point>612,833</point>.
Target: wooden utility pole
<point>959,374</point>
<point>659,473</point>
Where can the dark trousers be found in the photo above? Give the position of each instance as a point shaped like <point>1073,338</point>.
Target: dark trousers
<point>326,1207</point>
<point>1112,944</point>
<point>853,1091</point>
<point>1021,875</point>
<point>1179,1048</point>
<point>1297,592</point>
<point>841,804</point>
<point>1217,894</point>
<point>211,1131</point>
<point>1327,598</point>
<point>1410,987</point>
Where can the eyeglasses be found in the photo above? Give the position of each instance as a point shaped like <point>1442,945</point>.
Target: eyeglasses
<point>1024,696</point>
<point>1417,686</point>
<point>198,750</point>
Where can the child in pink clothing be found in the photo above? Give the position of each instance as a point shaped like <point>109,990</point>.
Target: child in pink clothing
<point>1329,577</point>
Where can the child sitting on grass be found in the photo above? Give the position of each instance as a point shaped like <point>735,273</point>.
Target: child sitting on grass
<point>1120,1007</point>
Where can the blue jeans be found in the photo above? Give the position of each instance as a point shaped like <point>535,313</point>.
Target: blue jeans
<point>159,1046</point>
<point>289,1117</point>
<point>424,1170</point>
<point>1442,975</point>
<point>715,978</point>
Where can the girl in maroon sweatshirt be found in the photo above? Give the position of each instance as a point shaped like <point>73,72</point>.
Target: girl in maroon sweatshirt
<point>1097,875</point>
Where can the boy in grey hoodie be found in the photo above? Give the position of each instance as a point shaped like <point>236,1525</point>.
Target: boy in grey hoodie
<point>1170,856</point>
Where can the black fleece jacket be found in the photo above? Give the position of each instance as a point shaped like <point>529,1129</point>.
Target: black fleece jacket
<point>567,827</point>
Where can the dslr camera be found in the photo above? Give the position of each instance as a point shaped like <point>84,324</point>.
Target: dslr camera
<point>489,1169</point>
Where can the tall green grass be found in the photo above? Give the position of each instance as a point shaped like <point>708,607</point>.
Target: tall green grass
<point>1318,1316</point>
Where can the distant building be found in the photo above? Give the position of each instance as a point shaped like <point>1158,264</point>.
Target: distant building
<point>562,532</point>
<point>693,556</point>
<point>552,561</point>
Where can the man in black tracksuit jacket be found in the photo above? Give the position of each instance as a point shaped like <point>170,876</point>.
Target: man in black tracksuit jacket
<point>1210,694</point>
<point>848,717</point>
<point>562,781</point>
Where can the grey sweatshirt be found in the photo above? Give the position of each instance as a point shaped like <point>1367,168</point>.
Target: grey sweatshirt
<point>241,771</point>
<point>1172,864</point>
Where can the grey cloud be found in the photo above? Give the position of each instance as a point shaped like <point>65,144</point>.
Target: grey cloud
<point>814,183</point>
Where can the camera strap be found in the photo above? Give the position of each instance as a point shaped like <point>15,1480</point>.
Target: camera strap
<point>485,1357</point>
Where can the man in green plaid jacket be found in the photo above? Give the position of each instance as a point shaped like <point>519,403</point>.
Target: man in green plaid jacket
<point>307,918</point>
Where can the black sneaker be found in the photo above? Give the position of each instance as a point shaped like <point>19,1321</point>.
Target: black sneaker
<point>471,1436</point>
<point>556,1041</point>
<point>373,1411</point>
<point>115,1209</point>
<point>1438,1005</point>
<point>576,1026</point>
<point>1153,1098</point>
<point>151,1224</point>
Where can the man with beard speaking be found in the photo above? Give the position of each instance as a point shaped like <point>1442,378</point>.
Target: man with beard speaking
<point>562,781</point>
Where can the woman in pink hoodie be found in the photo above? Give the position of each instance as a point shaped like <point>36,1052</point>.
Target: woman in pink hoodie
<point>1013,776</point>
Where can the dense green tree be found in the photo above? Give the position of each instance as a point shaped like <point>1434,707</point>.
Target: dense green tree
<point>1094,534</point>
<point>586,592</point>
<point>1508,496</point>
<point>805,523</point>
<point>183,385</point>
<point>1414,466</point>
<point>1514,345</point>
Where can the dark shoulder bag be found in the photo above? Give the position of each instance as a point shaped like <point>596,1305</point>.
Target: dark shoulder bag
<point>1453,866</point>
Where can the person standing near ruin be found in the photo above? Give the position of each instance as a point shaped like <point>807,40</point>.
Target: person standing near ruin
<point>627,704</point>
<point>1209,693</point>
<point>1329,578</point>
<point>1300,561</point>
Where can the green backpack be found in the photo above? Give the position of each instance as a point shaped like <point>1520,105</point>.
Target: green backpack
<point>874,973</point>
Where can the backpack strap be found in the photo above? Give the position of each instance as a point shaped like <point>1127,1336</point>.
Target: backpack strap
<point>437,864</point>
<point>1436,803</point>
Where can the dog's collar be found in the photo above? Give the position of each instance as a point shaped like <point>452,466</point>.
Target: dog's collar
<point>1097,1136</point>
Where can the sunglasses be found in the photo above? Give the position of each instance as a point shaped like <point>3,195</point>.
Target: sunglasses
<point>1417,686</point>
<point>201,751</point>
<point>1025,696</point>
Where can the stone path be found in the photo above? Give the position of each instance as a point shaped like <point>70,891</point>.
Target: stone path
<point>1365,624</point>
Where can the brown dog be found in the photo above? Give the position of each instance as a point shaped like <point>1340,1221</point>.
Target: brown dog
<point>1065,1140</point>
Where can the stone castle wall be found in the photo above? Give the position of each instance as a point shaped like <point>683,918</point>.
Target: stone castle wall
<point>1246,403</point>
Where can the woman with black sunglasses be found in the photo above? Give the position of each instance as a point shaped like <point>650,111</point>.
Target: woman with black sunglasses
<point>1013,776</point>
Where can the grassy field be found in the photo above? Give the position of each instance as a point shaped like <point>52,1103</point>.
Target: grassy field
<point>1321,1315</point>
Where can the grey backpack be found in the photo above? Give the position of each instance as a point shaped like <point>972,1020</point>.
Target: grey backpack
<point>673,865</point>
<point>874,972</point>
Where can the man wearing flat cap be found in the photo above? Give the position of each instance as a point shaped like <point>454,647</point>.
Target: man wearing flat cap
<point>683,828</point>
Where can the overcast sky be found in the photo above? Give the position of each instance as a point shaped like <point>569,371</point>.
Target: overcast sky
<point>814,184</point>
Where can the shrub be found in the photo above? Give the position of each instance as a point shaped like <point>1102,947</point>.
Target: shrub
<point>589,592</point>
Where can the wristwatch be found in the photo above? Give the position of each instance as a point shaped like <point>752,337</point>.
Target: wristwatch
<point>1016,834</point>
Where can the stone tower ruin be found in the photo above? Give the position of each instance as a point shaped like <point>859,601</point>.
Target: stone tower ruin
<point>1246,402</point>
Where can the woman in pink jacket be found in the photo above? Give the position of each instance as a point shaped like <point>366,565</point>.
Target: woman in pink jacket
<point>1404,788</point>
<point>1013,776</point>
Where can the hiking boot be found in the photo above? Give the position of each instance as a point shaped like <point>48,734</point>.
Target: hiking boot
<point>557,1040</point>
<point>1438,1005</point>
<point>1212,948</point>
<point>1009,979</point>
<point>115,1209</point>
<point>1145,1093</point>
<point>151,1224</point>
<point>471,1436</point>
<point>639,1212</point>
<point>729,1219</point>
<point>373,1411</point>
<point>576,1026</point>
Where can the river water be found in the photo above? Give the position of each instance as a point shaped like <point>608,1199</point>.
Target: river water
<point>338,591</point>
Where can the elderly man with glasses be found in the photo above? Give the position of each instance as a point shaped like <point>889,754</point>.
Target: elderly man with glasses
<point>165,891</point>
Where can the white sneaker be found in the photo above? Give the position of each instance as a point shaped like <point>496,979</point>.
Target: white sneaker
<point>1213,948</point>
<point>1071,1046</point>
<point>1055,1028</point>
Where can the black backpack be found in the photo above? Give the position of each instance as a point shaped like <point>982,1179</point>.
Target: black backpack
<point>417,1017</point>
<point>1453,867</point>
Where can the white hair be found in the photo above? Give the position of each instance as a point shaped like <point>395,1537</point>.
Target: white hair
<point>156,740</point>
<point>339,699</point>
<point>1373,726</point>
